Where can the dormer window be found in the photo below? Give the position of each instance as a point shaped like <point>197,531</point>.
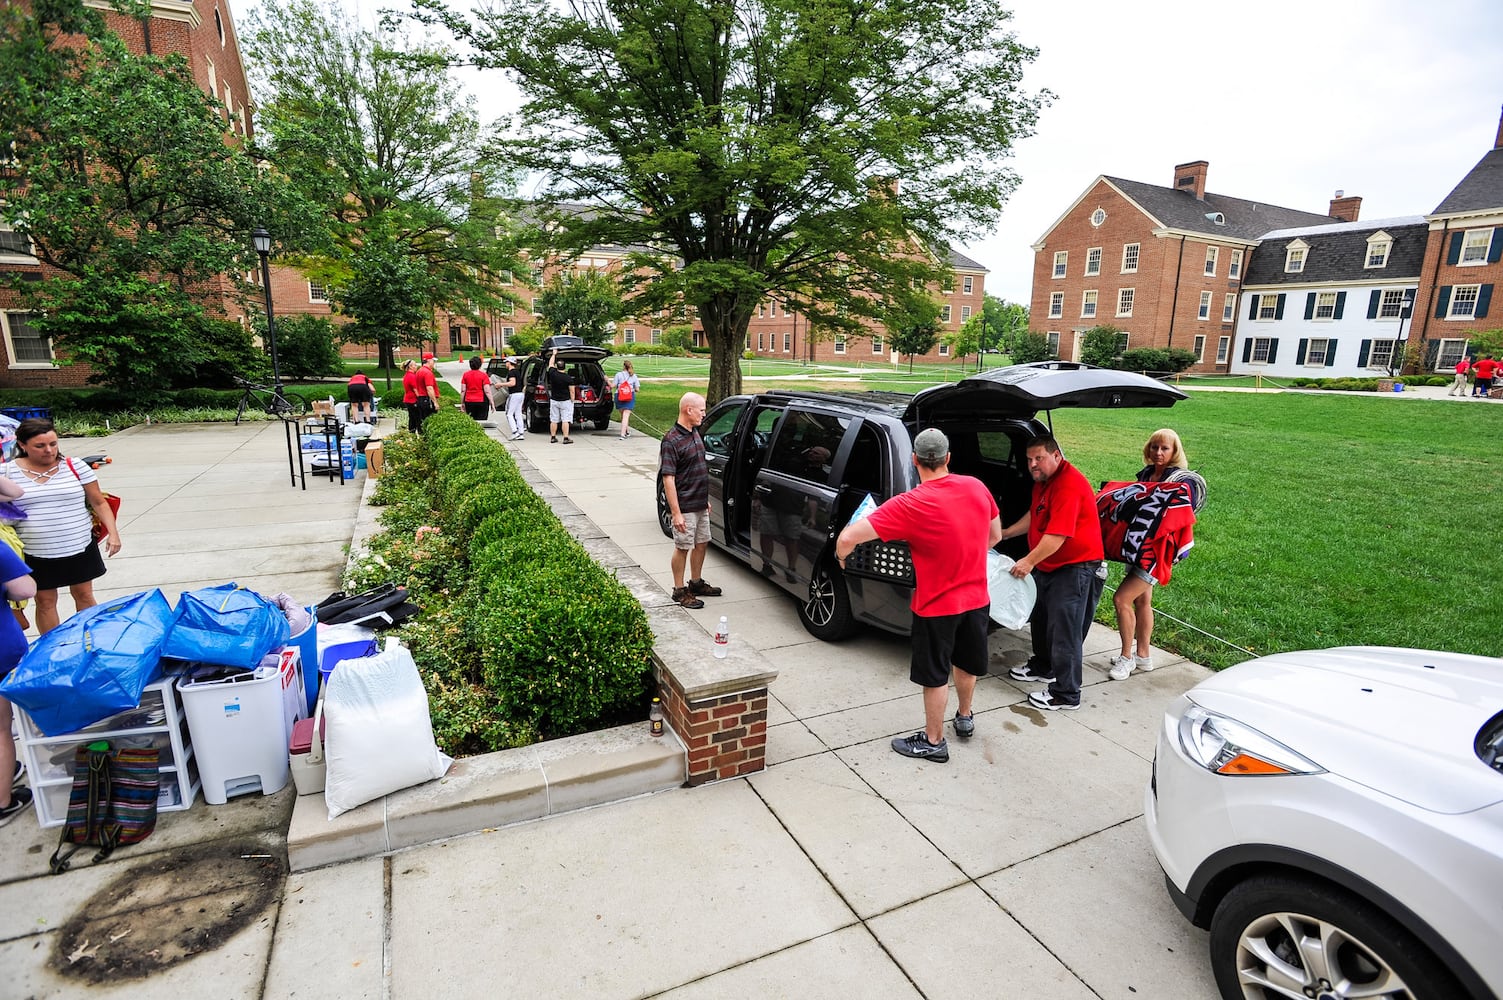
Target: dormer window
<point>1379,246</point>
<point>1217,219</point>
<point>1294,257</point>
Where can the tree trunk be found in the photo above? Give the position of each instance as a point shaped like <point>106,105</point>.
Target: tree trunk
<point>726,332</point>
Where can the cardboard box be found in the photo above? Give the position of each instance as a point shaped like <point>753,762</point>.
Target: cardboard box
<point>323,408</point>
<point>375,456</point>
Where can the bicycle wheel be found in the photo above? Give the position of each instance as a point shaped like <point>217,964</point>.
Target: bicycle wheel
<point>299,403</point>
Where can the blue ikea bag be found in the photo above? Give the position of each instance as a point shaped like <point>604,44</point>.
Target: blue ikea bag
<point>226,625</point>
<point>93,665</point>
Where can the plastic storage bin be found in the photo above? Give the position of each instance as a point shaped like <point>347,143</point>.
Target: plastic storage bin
<point>25,412</point>
<point>306,642</point>
<point>343,651</point>
<point>241,724</point>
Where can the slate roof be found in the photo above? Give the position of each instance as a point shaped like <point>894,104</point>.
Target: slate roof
<point>1244,219</point>
<point>961,262</point>
<point>1338,253</point>
<point>1481,189</point>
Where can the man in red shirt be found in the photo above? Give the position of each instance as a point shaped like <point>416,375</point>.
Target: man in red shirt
<point>1064,553</point>
<point>1458,387</point>
<point>426,385</point>
<point>1486,369</point>
<point>949,522</point>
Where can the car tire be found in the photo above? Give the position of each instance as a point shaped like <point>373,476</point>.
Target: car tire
<point>665,519</point>
<point>1253,943</point>
<point>603,424</point>
<point>826,611</point>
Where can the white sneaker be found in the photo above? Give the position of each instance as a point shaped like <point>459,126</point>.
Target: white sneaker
<point>1121,668</point>
<point>1143,663</point>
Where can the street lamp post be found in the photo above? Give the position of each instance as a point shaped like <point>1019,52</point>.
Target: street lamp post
<point>1397,357</point>
<point>261,239</point>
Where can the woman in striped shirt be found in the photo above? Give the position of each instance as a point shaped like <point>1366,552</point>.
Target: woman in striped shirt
<point>58,534</point>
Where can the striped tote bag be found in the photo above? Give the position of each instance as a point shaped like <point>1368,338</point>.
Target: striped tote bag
<point>113,801</point>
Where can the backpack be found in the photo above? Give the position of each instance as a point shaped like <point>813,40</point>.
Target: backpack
<point>382,607</point>
<point>113,801</point>
<point>625,392</point>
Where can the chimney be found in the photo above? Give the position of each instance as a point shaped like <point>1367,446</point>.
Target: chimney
<point>1498,142</point>
<point>1191,178</point>
<point>1345,209</point>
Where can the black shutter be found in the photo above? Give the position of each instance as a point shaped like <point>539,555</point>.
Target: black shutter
<point>1309,305</point>
<point>1273,348</point>
<point>1278,309</point>
<point>1340,304</point>
<point>1484,296</point>
<point>1432,354</point>
<point>1330,354</point>
<point>1252,310</point>
<point>1372,303</point>
<point>1299,352</point>
<point>1453,255</point>
<point>1495,249</point>
<point>1443,302</point>
<point>1363,352</point>
<point>1247,350</point>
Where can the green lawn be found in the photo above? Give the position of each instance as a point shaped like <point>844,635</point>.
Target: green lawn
<point>1330,520</point>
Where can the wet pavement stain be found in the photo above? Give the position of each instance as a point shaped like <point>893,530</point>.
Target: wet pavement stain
<point>167,909</point>
<point>1032,715</point>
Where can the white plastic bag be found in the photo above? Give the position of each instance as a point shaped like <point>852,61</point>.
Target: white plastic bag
<point>1012,599</point>
<point>379,735</point>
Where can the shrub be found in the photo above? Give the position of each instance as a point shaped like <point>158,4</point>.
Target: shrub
<point>522,635</point>
<point>1156,360</point>
<point>1098,346</point>
<point>656,350</point>
<point>307,346</point>
<point>1031,346</point>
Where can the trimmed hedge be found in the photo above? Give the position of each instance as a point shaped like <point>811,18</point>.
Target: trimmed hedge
<point>522,636</point>
<point>1366,384</point>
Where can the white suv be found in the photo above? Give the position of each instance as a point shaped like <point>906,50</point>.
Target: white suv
<point>1335,819</point>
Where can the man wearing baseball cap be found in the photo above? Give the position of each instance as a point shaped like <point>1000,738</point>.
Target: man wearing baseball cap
<point>427,392</point>
<point>949,522</point>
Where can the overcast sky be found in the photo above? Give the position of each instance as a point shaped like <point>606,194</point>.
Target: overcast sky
<point>1288,100</point>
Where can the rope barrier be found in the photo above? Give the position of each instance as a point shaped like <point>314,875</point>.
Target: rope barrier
<point>1158,613</point>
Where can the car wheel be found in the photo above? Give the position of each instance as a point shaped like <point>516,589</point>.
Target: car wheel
<point>1279,936</point>
<point>826,612</point>
<point>665,517</point>
<point>603,424</point>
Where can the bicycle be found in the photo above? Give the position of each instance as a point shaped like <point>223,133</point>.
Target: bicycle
<point>276,401</point>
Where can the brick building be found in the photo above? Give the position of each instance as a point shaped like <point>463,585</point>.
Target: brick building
<point>1162,264</point>
<point>203,32</point>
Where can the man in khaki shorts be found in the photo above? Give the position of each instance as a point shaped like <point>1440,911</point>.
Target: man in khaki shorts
<point>686,484</point>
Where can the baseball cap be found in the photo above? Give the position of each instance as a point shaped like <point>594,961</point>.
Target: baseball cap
<point>931,445</point>
<point>427,356</point>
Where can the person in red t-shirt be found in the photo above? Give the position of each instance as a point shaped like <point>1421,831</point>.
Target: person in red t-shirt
<point>949,522</point>
<point>361,395</point>
<point>476,388</point>
<point>1458,387</point>
<point>409,392</point>
<point>1485,370</point>
<point>1064,554</point>
<point>425,384</point>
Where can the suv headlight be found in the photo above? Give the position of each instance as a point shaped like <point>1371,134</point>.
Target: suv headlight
<point>1226,746</point>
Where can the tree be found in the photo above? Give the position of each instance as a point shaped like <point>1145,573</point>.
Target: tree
<point>306,346</point>
<point>803,149</point>
<point>585,304</point>
<point>1101,346</point>
<point>679,337</point>
<point>913,325</point>
<point>1032,346</point>
<point>123,181</point>
<point>372,129</point>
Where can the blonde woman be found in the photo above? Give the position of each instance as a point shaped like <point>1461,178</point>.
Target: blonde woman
<point>624,386</point>
<point>1165,455</point>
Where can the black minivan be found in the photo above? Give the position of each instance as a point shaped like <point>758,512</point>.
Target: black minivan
<point>594,403</point>
<point>788,469</point>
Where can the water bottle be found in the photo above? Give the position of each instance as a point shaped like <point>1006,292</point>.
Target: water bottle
<point>655,717</point>
<point>722,638</point>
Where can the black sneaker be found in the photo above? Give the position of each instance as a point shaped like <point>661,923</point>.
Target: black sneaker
<point>1047,702</point>
<point>918,745</point>
<point>1027,673</point>
<point>20,798</point>
<point>965,725</point>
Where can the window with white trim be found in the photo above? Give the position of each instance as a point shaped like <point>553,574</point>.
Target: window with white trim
<point>761,310</point>
<point>761,341</point>
<point>1294,259</point>
<point>1380,355</point>
<point>840,343</point>
<point>965,313</point>
<point>787,343</point>
<point>1449,355</point>
<point>1260,349</point>
<point>1234,270</point>
<point>1057,304</point>
<point>1268,307</point>
<point>1200,348</point>
<point>1474,247</point>
<point>1211,254</point>
<point>1061,261</point>
<point>966,284</point>
<point>1093,261</point>
<point>1124,301</point>
<point>317,292</point>
<point>1223,349</point>
<point>947,284</point>
<point>1205,306</point>
<point>13,242</point>
<point>944,313</point>
<point>537,276</point>
<point>657,335</point>
<point>1379,246</point>
<point>631,335</point>
<point>1088,304</point>
<point>944,350</point>
<point>1325,306</point>
<point>1098,217</point>
<point>1392,304</point>
<point>507,332</point>
<point>1315,354</point>
<point>1229,307</point>
<point>1053,338</point>
<point>505,277</point>
<point>1463,301</point>
<point>876,345</point>
<point>26,344</point>
<point>1130,258</point>
<point>533,308</point>
<point>1122,339</point>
